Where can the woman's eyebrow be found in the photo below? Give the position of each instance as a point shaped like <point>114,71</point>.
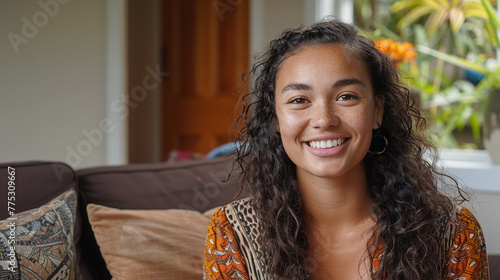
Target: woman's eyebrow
<point>347,82</point>
<point>296,86</point>
<point>337,84</point>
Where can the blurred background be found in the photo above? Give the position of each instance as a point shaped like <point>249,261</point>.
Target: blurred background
<point>109,82</point>
<point>112,81</point>
<point>102,82</point>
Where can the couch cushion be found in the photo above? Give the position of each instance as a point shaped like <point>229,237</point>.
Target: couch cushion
<point>196,185</point>
<point>494,265</point>
<point>37,183</point>
<point>151,244</point>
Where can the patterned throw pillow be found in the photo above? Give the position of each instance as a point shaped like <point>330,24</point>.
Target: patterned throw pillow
<point>43,247</point>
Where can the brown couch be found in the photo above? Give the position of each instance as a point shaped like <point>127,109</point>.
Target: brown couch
<point>197,184</point>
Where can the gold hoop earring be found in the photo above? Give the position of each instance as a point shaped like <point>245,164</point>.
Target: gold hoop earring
<point>379,143</point>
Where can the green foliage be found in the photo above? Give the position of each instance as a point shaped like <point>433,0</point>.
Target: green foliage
<point>438,13</point>
<point>493,24</point>
<point>444,32</point>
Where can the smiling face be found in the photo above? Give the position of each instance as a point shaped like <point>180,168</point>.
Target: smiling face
<point>326,110</point>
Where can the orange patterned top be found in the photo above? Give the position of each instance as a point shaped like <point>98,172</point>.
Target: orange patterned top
<point>224,257</point>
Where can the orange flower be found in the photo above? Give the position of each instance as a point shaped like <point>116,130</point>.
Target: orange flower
<point>396,51</point>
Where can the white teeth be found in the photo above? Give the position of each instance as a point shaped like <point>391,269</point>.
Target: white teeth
<point>327,144</point>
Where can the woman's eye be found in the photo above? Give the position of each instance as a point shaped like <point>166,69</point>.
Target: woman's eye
<point>298,100</point>
<point>347,97</point>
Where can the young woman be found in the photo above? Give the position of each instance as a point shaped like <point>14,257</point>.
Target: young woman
<point>333,159</point>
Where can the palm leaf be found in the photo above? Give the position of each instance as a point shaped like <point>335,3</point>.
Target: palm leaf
<point>435,20</point>
<point>475,13</point>
<point>403,5</point>
<point>474,9</point>
<point>455,60</point>
<point>493,20</point>
<point>399,6</point>
<point>444,3</point>
<point>457,19</point>
<point>491,14</point>
<point>435,4</point>
<point>413,16</point>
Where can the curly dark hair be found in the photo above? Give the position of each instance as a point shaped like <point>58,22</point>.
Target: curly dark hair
<point>410,210</point>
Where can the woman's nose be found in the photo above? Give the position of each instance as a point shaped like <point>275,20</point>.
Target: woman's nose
<point>324,116</point>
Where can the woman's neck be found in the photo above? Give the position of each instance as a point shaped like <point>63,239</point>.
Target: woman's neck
<point>338,222</point>
<point>335,205</point>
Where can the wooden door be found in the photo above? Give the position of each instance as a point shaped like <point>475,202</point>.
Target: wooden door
<point>206,45</point>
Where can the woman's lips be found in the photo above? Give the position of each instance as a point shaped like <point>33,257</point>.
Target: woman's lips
<point>326,144</point>
<point>327,147</point>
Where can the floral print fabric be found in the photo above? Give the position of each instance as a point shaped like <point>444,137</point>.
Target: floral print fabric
<point>466,259</point>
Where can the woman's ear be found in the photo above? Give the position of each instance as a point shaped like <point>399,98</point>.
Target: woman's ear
<point>275,125</point>
<point>379,110</point>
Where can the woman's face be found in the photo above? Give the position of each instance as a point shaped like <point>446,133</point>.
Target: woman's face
<point>326,110</point>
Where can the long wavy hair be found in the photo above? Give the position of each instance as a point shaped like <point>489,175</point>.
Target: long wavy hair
<point>410,210</point>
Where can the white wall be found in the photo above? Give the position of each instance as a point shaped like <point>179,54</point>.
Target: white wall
<point>268,19</point>
<point>487,208</point>
<point>478,175</point>
<point>53,89</point>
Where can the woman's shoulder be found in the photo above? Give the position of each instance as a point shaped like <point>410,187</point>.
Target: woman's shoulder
<point>465,220</point>
<point>467,255</point>
<point>465,213</point>
<point>235,213</point>
<point>468,231</point>
<point>237,223</point>
<point>223,258</point>
<point>242,206</point>
<point>241,214</point>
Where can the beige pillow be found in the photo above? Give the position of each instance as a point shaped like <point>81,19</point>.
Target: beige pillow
<point>151,244</point>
